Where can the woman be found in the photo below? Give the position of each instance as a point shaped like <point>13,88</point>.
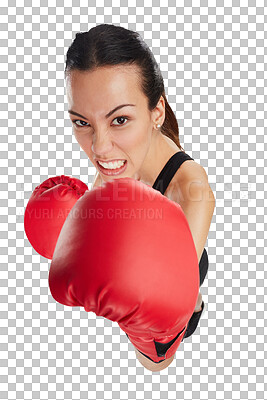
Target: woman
<point>123,122</point>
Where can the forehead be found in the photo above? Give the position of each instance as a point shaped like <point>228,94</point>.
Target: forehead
<point>95,93</point>
<point>105,81</point>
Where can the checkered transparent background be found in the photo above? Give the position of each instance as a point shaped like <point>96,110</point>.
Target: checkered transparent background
<point>213,59</point>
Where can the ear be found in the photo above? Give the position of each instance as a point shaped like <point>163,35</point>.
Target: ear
<point>158,113</point>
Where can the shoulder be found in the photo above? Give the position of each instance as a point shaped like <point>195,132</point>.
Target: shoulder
<point>190,174</point>
<point>191,170</point>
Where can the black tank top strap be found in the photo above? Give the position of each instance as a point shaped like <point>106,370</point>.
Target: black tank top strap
<point>168,171</point>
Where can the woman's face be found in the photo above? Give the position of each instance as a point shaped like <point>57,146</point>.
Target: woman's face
<point>124,134</point>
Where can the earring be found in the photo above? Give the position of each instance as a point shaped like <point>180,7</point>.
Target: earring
<point>158,126</point>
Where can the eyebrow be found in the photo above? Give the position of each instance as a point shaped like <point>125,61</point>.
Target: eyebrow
<point>106,116</point>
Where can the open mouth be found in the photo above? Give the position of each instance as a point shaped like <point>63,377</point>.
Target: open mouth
<point>115,171</point>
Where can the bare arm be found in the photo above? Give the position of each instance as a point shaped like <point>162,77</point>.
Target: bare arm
<point>198,203</point>
<point>150,365</point>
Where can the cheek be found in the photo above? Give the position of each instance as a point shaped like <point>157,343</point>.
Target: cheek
<point>85,142</point>
<point>136,145</point>
<point>133,139</point>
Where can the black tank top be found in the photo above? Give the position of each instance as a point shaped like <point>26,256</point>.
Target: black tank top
<point>169,169</point>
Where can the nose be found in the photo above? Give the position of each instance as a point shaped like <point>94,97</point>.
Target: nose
<point>101,144</point>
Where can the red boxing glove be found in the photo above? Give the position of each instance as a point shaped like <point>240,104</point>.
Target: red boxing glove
<point>47,210</point>
<point>126,253</point>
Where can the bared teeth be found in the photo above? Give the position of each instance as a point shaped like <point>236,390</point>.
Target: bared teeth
<point>112,165</point>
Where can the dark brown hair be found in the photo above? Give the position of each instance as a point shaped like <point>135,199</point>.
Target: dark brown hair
<point>107,44</point>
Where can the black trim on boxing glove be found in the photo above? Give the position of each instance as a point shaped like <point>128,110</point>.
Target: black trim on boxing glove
<point>193,322</point>
<point>161,348</point>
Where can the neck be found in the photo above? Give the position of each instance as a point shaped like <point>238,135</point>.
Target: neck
<point>161,150</point>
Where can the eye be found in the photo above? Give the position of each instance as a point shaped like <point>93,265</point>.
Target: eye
<point>121,117</point>
<point>85,126</point>
<point>78,120</point>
